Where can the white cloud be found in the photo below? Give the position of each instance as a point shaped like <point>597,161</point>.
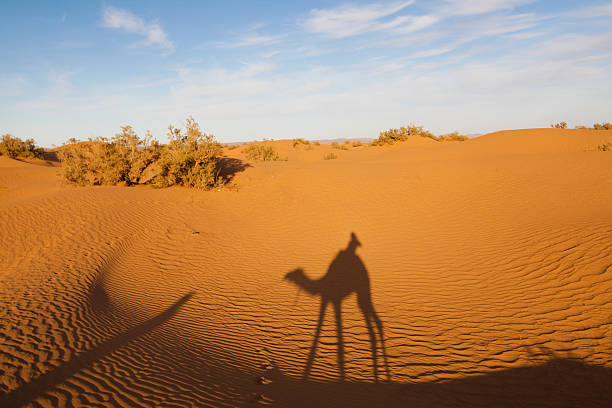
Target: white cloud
<point>471,7</point>
<point>346,21</point>
<point>124,20</point>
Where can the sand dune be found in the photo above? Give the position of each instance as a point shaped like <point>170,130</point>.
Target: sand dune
<point>489,265</point>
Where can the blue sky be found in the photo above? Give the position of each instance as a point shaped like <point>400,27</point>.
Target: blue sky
<point>319,69</point>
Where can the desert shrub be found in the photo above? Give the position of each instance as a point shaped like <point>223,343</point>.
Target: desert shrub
<point>399,135</point>
<point>580,127</point>
<point>560,125</point>
<point>122,159</point>
<point>316,143</point>
<point>297,142</point>
<point>261,152</point>
<point>14,147</point>
<point>232,147</point>
<point>330,156</point>
<point>356,144</point>
<point>455,137</point>
<point>606,147</point>
<point>336,145</point>
<point>190,158</point>
<point>602,126</point>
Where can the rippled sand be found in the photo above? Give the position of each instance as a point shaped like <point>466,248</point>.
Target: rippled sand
<point>488,264</point>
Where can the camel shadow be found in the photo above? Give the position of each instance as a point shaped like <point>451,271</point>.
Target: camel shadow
<point>346,274</point>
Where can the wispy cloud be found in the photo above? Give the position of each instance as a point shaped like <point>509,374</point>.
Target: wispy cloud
<point>124,20</point>
<point>350,20</point>
<point>471,7</point>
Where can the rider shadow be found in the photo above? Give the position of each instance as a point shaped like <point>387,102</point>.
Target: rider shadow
<point>346,274</point>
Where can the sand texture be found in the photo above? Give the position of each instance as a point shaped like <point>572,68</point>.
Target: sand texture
<point>486,265</point>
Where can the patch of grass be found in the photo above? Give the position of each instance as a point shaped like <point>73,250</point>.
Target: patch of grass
<point>262,152</point>
<point>14,147</point>
<point>330,156</point>
<point>336,145</point>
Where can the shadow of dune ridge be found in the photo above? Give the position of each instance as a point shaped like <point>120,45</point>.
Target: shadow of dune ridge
<point>558,382</point>
<point>345,275</point>
<point>47,381</point>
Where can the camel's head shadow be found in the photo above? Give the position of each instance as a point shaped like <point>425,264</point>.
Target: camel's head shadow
<point>295,275</point>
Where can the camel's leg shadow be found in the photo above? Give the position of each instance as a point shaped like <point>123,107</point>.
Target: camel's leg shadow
<point>315,341</point>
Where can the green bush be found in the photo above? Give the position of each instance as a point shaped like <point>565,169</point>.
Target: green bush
<point>190,159</point>
<point>14,147</point>
<point>560,125</point>
<point>330,156</point>
<point>261,152</point>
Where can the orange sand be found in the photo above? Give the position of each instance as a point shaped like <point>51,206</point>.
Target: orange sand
<point>489,262</point>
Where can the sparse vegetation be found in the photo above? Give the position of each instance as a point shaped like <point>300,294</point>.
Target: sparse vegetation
<point>399,135</point>
<point>455,137</point>
<point>330,156</point>
<point>232,147</point>
<point>336,145</point>
<point>560,125</point>
<point>357,143</point>
<point>403,133</point>
<point>262,152</point>
<point>14,148</point>
<point>190,159</point>
<point>316,143</point>
<point>602,126</point>
<point>606,147</point>
<point>596,126</point>
<point>297,142</point>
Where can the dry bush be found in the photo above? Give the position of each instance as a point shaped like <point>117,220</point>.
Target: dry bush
<point>232,147</point>
<point>606,147</point>
<point>297,142</point>
<point>454,137</point>
<point>560,125</point>
<point>190,159</point>
<point>262,152</point>
<point>357,144</point>
<point>317,143</point>
<point>336,145</point>
<point>399,135</point>
<point>330,156</point>
<point>14,147</point>
<point>602,126</point>
<point>122,159</point>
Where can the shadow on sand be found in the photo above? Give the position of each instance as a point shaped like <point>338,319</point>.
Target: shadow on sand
<point>559,382</point>
<point>346,274</point>
<point>58,375</point>
<point>227,167</point>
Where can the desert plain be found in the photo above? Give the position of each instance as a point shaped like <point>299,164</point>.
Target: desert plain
<point>487,264</point>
